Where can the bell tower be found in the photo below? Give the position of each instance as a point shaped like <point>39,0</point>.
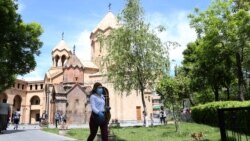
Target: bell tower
<point>60,54</point>
<point>98,49</point>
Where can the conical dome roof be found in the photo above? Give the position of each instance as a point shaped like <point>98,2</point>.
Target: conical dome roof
<point>73,62</point>
<point>61,46</point>
<point>108,21</point>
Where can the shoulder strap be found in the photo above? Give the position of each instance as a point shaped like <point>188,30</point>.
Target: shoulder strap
<point>106,96</point>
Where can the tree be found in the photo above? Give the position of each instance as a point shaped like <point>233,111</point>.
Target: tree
<point>223,34</point>
<point>172,91</point>
<point>19,42</point>
<point>136,57</point>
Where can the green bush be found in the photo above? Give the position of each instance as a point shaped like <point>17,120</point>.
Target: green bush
<point>207,113</point>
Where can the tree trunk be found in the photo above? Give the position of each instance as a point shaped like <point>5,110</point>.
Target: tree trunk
<point>176,122</point>
<point>216,94</point>
<point>228,93</point>
<point>144,108</point>
<point>240,78</point>
<point>191,100</point>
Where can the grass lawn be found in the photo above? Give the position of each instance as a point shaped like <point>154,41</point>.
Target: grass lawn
<point>156,133</point>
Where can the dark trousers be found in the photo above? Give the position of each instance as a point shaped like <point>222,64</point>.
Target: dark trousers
<point>162,119</point>
<point>56,122</point>
<point>93,125</point>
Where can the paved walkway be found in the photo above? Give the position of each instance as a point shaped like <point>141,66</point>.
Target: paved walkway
<point>30,133</point>
<point>33,132</point>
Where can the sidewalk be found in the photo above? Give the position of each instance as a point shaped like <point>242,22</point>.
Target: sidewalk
<point>33,132</point>
<point>30,133</point>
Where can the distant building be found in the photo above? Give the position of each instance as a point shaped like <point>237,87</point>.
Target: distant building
<point>67,84</point>
<point>157,103</point>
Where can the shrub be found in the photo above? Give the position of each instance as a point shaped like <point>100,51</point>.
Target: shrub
<point>207,113</point>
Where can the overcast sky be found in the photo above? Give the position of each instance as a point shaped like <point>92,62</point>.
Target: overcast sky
<point>77,18</point>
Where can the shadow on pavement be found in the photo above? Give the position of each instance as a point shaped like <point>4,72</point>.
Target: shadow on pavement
<point>11,131</point>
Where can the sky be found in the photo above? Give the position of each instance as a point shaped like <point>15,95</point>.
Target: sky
<point>77,18</point>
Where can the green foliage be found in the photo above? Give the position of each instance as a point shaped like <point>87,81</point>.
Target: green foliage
<point>202,97</point>
<point>136,57</point>
<point>19,43</point>
<point>220,53</point>
<point>172,91</point>
<point>207,113</point>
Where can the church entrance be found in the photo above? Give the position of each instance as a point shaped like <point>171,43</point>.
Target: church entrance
<point>138,112</point>
<point>34,116</point>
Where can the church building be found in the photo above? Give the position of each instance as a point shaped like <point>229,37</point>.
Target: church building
<point>67,84</point>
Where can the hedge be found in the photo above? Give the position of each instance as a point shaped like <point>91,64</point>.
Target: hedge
<point>207,113</point>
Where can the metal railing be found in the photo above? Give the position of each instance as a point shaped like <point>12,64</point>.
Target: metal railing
<point>234,124</point>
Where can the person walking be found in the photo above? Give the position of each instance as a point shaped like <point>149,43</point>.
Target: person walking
<point>162,115</point>
<point>57,118</point>
<point>98,116</point>
<point>17,116</point>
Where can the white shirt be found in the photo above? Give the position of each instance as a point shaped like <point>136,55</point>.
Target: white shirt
<point>17,115</point>
<point>97,103</point>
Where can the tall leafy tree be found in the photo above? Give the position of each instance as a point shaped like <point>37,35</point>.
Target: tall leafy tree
<point>191,70</point>
<point>19,42</point>
<point>223,31</point>
<point>136,57</point>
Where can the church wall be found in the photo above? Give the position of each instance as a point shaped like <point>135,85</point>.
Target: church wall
<point>61,106</point>
<point>19,96</point>
<point>19,103</point>
<point>30,110</point>
<point>98,50</point>
<point>123,106</point>
<point>77,112</point>
<point>89,80</point>
<point>70,75</point>
<point>57,79</point>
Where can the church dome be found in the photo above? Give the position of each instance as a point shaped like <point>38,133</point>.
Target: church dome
<point>74,62</point>
<point>61,46</point>
<point>109,21</point>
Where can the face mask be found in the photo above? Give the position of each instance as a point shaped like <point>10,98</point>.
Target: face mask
<point>99,90</point>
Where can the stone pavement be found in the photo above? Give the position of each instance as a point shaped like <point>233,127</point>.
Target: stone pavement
<point>30,133</point>
<point>33,132</point>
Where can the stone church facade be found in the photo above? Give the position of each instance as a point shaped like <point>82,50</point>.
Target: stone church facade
<point>67,84</point>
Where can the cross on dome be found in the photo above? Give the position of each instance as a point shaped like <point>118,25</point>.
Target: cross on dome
<point>109,6</point>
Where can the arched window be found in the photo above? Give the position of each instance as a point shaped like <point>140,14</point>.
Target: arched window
<point>17,102</point>
<point>63,59</point>
<point>57,58</point>
<point>3,98</point>
<point>35,100</point>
